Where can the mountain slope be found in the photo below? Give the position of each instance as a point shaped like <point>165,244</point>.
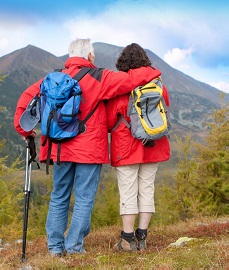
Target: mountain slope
<point>28,64</point>
<point>30,56</point>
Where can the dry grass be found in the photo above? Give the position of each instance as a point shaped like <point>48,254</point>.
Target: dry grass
<point>208,251</point>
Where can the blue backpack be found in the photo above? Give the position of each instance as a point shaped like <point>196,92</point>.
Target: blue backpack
<point>60,97</point>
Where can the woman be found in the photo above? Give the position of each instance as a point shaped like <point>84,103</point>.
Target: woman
<point>136,165</point>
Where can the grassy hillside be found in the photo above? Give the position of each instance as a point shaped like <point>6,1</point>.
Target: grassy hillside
<point>207,249</point>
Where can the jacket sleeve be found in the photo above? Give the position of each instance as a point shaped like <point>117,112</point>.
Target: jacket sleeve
<point>118,83</point>
<point>23,101</point>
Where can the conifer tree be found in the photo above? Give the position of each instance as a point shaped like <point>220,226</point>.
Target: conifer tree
<point>200,185</point>
<point>211,181</point>
<point>173,199</point>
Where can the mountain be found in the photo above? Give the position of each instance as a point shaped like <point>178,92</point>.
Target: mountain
<point>190,99</point>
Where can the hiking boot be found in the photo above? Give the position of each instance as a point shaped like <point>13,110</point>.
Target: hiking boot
<point>141,245</point>
<point>59,254</point>
<point>125,245</point>
<point>141,239</point>
<point>127,242</point>
<point>77,252</point>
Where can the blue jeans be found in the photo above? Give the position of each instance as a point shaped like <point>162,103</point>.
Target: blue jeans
<point>83,180</point>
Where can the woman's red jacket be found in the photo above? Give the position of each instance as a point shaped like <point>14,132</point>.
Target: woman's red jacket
<point>125,149</point>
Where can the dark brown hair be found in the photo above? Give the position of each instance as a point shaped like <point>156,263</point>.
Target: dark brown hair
<point>133,56</point>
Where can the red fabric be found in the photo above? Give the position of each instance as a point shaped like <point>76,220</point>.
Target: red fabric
<point>125,149</point>
<point>92,145</point>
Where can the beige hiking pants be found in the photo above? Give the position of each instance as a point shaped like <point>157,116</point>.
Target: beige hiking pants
<point>136,187</point>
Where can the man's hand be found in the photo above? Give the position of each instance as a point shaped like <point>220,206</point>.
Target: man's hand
<point>33,134</point>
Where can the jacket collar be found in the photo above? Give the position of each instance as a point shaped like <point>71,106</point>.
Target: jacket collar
<point>79,62</point>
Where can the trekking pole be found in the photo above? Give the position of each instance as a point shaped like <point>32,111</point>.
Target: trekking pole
<point>28,169</point>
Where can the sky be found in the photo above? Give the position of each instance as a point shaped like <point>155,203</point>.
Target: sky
<point>191,36</point>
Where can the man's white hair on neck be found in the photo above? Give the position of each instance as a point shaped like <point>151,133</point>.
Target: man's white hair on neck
<point>80,48</point>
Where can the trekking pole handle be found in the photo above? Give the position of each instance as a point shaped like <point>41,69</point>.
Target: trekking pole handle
<point>29,140</point>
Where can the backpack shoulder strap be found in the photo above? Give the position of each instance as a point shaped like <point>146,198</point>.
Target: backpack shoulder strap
<point>130,102</point>
<point>120,120</point>
<point>83,71</point>
<point>78,77</point>
<point>90,114</point>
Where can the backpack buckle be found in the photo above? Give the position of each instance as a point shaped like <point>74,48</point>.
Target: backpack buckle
<point>82,127</point>
<point>148,143</point>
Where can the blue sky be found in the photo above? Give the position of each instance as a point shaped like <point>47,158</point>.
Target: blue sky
<point>191,36</point>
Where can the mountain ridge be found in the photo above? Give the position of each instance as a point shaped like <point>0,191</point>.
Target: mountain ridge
<point>106,55</point>
<point>27,57</point>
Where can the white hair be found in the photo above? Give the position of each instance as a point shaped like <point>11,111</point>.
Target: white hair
<point>80,48</point>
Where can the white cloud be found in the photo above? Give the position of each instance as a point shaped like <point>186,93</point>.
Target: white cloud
<point>13,35</point>
<point>121,24</point>
<point>3,43</point>
<point>223,86</point>
<point>179,58</point>
<point>191,39</point>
